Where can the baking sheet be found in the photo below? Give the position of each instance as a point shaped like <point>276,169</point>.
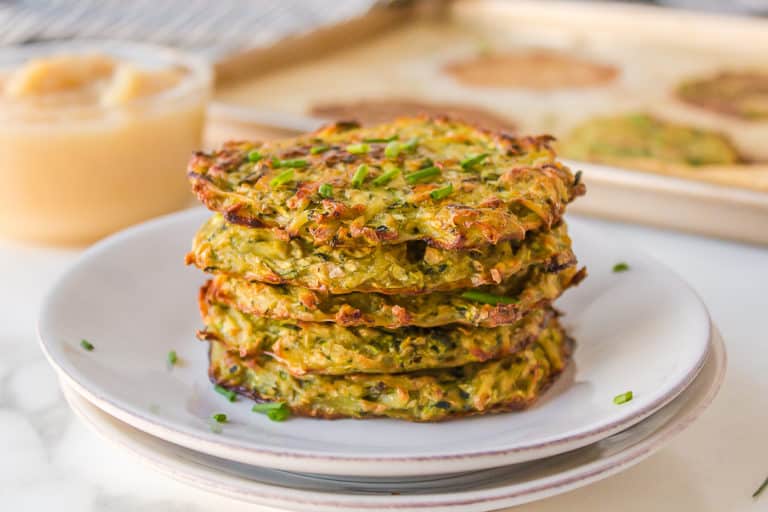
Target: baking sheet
<point>652,49</point>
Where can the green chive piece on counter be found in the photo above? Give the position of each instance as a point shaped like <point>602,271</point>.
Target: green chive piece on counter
<point>322,148</point>
<point>487,298</point>
<point>254,156</point>
<point>469,163</point>
<point>359,176</point>
<point>442,193</point>
<point>86,345</point>
<point>172,358</point>
<point>392,150</point>
<point>411,145</point>
<point>381,139</point>
<point>296,163</point>
<point>385,178</point>
<point>282,178</point>
<point>325,190</point>
<point>226,393</point>
<point>623,398</point>
<point>620,267</point>
<point>358,149</point>
<point>275,411</point>
<point>422,175</point>
<point>219,417</point>
<point>760,489</point>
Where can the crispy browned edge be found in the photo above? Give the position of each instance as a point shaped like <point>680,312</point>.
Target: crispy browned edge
<point>229,154</point>
<point>515,405</point>
<point>501,314</point>
<point>551,265</point>
<point>522,344</point>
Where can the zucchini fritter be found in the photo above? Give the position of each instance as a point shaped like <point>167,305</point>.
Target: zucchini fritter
<point>633,138</point>
<point>411,268</point>
<point>741,94</point>
<point>330,349</point>
<point>521,294</point>
<point>429,395</point>
<point>436,180</point>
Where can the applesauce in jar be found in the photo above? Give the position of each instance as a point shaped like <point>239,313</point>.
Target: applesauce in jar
<point>95,136</point>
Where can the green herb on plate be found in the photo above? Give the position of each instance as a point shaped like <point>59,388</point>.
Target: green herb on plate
<point>623,398</point>
<point>275,411</point>
<point>226,393</point>
<point>620,267</point>
<point>219,417</point>
<point>86,345</point>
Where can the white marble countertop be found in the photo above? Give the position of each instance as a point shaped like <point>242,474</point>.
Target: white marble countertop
<point>50,461</point>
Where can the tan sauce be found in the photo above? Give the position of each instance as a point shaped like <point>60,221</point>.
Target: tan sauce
<point>88,147</point>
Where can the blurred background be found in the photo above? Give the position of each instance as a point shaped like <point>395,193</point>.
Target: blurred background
<point>664,104</point>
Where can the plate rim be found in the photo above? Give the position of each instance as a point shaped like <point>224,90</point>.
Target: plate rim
<point>373,465</point>
<point>559,483</point>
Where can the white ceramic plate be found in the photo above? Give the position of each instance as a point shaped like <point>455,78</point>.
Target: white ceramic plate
<point>479,491</point>
<point>643,330</point>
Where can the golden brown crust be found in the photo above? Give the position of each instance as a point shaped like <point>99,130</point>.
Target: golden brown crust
<point>533,289</point>
<point>517,187</point>
<point>513,383</point>
<point>411,268</point>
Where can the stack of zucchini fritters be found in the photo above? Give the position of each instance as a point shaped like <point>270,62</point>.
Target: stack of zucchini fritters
<point>403,270</point>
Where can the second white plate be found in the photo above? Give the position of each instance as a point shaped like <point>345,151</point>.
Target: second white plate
<point>479,491</point>
<point>642,330</point>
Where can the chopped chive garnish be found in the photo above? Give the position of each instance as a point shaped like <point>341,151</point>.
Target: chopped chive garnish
<point>172,358</point>
<point>622,398</point>
<point>276,411</point>
<point>760,489</point>
<point>469,163</point>
<point>325,190</point>
<point>254,156</point>
<point>410,146</point>
<point>620,267</point>
<point>86,345</point>
<point>422,175</point>
<point>385,178</point>
<point>359,176</point>
<point>228,394</point>
<point>381,139</point>
<point>487,298</point>
<point>282,178</point>
<point>358,149</point>
<point>322,148</point>
<point>296,163</point>
<point>219,417</point>
<point>393,149</point>
<point>577,178</point>
<point>441,193</point>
